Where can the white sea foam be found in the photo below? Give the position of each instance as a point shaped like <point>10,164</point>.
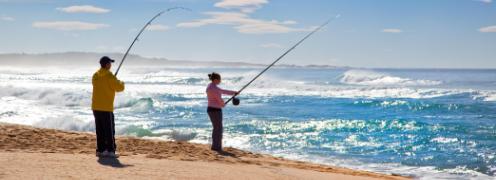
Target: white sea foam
<point>368,77</point>
<point>485,95</point>
<point>30,112</point>
<point>68,122</point>
<point>179,135</point>
<point>444,140</point>
<point>54,87</point>
<point>393,103</point>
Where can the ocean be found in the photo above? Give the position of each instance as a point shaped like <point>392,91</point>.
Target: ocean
<point>427,123</point>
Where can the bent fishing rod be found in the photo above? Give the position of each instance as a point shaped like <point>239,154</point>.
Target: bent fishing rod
<point>236,101</point>
<point>141,31</point>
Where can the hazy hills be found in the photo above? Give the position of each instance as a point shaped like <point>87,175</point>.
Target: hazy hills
<point>89,59</point>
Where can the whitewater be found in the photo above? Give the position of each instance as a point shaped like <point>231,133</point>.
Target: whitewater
<point>427,123</point>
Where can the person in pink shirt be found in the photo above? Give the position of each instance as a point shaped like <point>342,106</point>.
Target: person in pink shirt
<point>214,110</point>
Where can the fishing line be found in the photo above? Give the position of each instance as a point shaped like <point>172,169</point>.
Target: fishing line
<point>236,101</point>
<point>143,29</point>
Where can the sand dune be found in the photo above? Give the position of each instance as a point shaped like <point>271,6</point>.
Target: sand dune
<point>27,152</point>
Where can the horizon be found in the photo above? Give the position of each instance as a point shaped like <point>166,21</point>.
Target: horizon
<point>241,63</point>
<point>379,34</point>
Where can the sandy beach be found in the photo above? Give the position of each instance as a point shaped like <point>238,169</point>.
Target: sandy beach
<point>33,153</point>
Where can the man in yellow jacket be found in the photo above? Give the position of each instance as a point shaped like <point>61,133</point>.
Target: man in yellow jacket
<point>105,85</point>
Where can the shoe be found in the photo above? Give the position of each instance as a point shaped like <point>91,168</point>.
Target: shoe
<point>112,155</point>
<point>101,154</point>
<point>104,154</point>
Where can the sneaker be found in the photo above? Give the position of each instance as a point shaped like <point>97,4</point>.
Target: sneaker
<point>104,154</point>
<point>112,155</point>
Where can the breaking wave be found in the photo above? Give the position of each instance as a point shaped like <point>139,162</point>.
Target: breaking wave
<point>372,78</point>
<point>141,105</point>
<point>49,95</point>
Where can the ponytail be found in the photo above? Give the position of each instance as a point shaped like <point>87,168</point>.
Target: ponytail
<point>214,76</point>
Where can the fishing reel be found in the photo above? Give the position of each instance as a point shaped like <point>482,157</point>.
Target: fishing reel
<point>235,101</point>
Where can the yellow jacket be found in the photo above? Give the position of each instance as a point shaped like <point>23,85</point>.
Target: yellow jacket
<point>105,84</point>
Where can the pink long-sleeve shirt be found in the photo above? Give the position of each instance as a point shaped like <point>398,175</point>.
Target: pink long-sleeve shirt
<point>214,95</point>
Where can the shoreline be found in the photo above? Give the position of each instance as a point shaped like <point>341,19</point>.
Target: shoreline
<point>19,141</point>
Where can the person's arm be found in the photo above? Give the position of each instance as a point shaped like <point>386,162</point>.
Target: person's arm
<point>115,84</point>
<point>228,92</point>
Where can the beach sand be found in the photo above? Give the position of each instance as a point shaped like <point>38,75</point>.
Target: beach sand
<point>35,153</point>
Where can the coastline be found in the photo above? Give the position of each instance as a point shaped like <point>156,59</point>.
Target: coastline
<point>36,152</point>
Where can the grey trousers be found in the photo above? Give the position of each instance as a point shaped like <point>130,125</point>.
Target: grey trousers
<point>215,115</point>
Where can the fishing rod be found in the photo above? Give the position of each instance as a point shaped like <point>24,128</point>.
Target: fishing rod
<point>143,29</point>
<point>236,101</point>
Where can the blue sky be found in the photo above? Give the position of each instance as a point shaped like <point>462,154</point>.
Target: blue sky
<point>379,33</point>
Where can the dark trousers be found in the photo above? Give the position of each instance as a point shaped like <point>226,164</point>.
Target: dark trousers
<point>105,132</point>
<point>216,119</point>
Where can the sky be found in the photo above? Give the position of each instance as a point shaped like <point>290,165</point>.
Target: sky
<point>369,34</point>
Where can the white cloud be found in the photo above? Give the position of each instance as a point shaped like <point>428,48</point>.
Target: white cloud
<point>157,27</point>
<point>84,9</point>
<point>488,29</point>
<point>485,1</point>
<point>7,18</point>
<point>241,21</point>
<point>289,22</point>
<point>244,24</point>
<point>392,30</point>
<point>69,25</point>
<point>246,6</point>
<point>240,3</point>
<point>271,45</point>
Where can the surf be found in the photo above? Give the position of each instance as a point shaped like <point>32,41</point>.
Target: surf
<point>373,78</point>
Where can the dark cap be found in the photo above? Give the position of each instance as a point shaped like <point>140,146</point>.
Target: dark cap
<point>105,60</point>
